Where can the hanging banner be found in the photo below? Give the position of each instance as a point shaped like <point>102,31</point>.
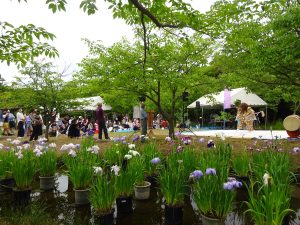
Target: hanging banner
<point>227,99</point>
<point>136,112</point>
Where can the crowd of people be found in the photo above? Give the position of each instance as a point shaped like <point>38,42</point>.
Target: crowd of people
<point>24,124</point>
<point>32,124</point>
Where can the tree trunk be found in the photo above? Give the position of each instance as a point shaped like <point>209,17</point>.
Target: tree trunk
<point>172,115</point>
<point>171,128</point>
<point>47,131</point>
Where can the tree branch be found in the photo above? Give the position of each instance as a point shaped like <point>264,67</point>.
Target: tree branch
<point>145,42</point>
<point>145,11</point>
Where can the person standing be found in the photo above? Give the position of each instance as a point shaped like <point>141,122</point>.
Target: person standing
<point>11,122</point>
<point>36,125</point>
<point>158,121</point>
<point>144,118</point>
<point>1,118</point>
<point>20,123</point>
<point>6,130</point>
<point>245,116</point>
<point>28,123</point>
<point>100,117</point>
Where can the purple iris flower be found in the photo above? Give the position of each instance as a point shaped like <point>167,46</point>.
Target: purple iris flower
<point>250,148</point>
<point>77,146</point>
<point>201,140</point>
<point>155,160</point>
<point>296,150</point>
<point>123,138</point>
<point>91,132</point>
<point>237,184</point>
<point>26,142</point>
<point>197,174</point>
<point>210,144</point>
<point>232,183</point>
<point>117,139</point>
<point>177,133</point>
<point>179,149</point>
<point>210,171</point>
<point>136,138</point>
<point>230,179</point>
<point>228,186</point>
<point>186,140</point>
<point>42,143</point>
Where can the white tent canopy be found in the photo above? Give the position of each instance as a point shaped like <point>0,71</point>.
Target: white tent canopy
<point>215,100</point>
<point>91,103</point>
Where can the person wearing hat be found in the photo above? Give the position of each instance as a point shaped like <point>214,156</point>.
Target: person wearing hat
<point>100,117</point>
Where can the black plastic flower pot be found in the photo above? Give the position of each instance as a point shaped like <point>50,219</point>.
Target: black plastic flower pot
<point>107,219</point>
<point>21,197</point>
<point>153,179</point>
<point>124,205</point>
<point>7,184</point>
<point>244,180</point>
<point>173,215</point>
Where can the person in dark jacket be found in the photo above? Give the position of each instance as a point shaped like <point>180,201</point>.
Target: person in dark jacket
<point>74,130</point>
<point>37,124</point>
<point>100,117</point>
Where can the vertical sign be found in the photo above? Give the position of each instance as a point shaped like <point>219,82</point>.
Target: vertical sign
<point>227,99</point>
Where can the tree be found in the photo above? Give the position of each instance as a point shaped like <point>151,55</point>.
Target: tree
<point>173,67</point>
<point>40,86</point>
<point>22,44</point>
<point>264,54</point>
<point>161,13</point>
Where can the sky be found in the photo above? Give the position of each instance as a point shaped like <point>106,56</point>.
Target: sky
<point>69,27</point>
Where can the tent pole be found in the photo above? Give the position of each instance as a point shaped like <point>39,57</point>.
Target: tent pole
<point>266,117</point>
<point>187,114</point>
<point>202,117</point>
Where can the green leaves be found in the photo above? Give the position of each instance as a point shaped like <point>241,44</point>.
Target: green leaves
<point>269,204</point>
<point>56,5</point>
<point>89,6</point>
<point>22,44</point>
<point>261,52</point>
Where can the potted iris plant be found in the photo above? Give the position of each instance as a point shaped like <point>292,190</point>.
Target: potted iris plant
<point>141,186</point>
<point>270,188</point>
<point>241,165</point>
<point>23,170</point>
<point>103,196</point>
<point>213,191</point>
<point>125,180</point>
<point>6,180</point>
<point>172,185</point>
<point>47,160</point>
<point>152,158</point>
<point>80,165</point>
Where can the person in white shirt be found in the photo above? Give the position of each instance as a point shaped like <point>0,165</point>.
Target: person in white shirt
<point>20,123</point>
